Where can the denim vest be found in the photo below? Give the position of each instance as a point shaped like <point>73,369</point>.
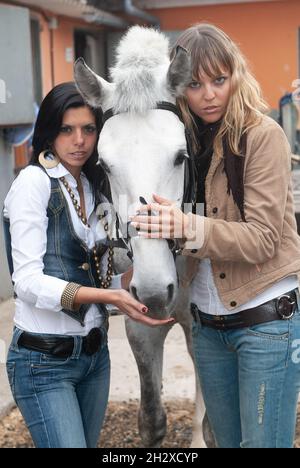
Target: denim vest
<point>67,256</point>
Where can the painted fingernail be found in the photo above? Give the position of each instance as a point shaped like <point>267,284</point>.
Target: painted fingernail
<point>144,310</point>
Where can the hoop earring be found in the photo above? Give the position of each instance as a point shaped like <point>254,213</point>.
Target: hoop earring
<point>48,159</point>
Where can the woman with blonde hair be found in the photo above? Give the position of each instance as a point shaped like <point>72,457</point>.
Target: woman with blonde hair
<point>243,250</point>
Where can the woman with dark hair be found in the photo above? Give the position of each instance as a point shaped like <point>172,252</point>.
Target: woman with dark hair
<point>58,361</point>
<point>48,127</point>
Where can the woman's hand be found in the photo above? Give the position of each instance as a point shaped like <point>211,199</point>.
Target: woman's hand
<point>134,309</point>
<point>168,222</point>
<point>126,278</point>
<point>122,300</point>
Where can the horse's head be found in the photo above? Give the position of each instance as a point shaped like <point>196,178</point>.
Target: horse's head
<point>142,148</point>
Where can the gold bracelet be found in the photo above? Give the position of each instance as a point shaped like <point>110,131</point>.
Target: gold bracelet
<point>68,296</point>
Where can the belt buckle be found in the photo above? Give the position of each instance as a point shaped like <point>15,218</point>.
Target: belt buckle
<point>196,316</point>
<point>195,313</point>
<point>285,307</point>
<point>92,342</point>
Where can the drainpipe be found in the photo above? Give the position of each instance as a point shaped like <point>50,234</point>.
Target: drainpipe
<point>132,10</point>
<point>52,25</point>
<point>106,19</point>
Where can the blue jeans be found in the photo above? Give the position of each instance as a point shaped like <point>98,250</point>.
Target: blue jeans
<point>63,401</point>
<point>250,379</point>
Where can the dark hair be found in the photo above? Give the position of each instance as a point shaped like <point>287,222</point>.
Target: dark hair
<point>47,127</point>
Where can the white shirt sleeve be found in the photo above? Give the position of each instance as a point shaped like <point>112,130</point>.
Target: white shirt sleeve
<point>26,206</point>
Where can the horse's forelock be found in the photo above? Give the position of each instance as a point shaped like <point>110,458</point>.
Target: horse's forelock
<point>142,61</point>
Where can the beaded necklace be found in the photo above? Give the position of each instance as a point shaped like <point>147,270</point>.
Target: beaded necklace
<point>106,281</point>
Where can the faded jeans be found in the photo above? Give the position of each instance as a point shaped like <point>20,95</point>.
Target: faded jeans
<point>250,379</point>
<point>63,401</point>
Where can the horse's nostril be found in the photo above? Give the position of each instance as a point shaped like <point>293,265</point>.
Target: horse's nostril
<point>170,292</point>
<point>134,293</point>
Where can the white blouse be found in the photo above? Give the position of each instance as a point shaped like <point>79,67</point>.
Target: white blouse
<point>205,294</point>
<point>38,303</point>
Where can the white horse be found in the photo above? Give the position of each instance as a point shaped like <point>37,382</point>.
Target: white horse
<point>142,148</point>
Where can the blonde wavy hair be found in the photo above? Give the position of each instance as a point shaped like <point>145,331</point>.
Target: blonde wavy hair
<point>213,53</point>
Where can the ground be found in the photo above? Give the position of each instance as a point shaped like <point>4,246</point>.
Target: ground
<point>120,428</point>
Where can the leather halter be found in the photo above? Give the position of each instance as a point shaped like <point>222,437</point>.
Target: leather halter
<point>189,193</point>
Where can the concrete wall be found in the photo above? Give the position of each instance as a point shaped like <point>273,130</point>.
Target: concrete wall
<point>7,176</point>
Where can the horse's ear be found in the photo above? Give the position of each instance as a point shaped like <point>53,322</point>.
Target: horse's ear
<point>180,71</point>
<point>92,87</point>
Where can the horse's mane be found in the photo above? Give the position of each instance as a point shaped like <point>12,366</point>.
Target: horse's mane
<point>140,70</point>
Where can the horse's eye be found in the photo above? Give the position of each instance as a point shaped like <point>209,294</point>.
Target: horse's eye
<point>180,157</point>
<point>104,165</point>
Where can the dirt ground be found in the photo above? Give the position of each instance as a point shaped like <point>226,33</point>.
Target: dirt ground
<point>120,427</point>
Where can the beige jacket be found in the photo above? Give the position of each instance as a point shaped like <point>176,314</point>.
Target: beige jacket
<point>248,257</point>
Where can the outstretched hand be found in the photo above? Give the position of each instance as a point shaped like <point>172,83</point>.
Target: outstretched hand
<point>137,311</point>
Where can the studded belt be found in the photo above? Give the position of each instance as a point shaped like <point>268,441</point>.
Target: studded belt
<point>280,308</point>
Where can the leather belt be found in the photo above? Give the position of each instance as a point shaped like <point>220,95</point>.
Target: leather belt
<point>280,308</point>
<point>60,346</point>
